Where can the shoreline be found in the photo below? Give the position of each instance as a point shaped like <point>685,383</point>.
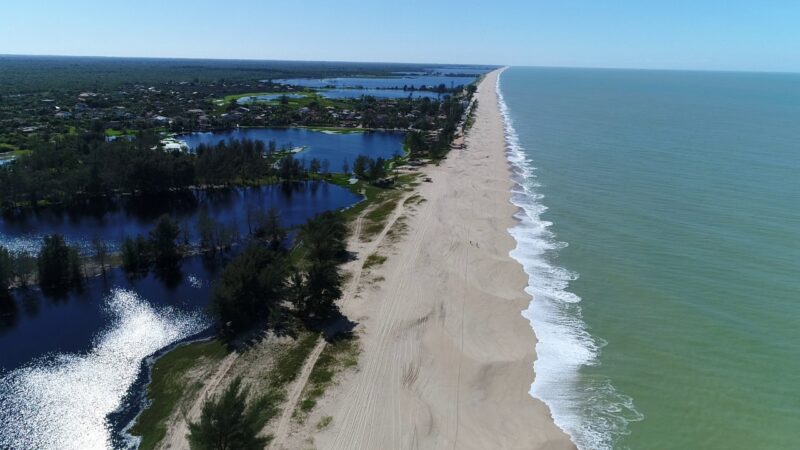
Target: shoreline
<point>447,356</point>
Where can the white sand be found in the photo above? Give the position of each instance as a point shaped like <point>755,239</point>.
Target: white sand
<point>447,357</point>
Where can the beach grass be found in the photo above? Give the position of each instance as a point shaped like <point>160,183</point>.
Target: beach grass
<point>337,356</point>
<point>169,385</point>
<point>374,260</point>
<point>377,217</point>
<point>289,363</point>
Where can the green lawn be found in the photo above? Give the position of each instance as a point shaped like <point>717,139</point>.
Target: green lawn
<point>338,130</point>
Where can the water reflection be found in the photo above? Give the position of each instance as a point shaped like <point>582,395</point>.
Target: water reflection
<point>111,220</point>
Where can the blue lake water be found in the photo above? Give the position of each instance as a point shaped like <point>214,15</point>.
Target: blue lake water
<point>341,94</point>
<point>334,147</point>
<point>377,93</point>
<point>378,83</point>
<point>67,363</point>
<point>113,220</point>
<point>461,70</point>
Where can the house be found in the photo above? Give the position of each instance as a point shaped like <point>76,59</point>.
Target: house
<point>172,144</point>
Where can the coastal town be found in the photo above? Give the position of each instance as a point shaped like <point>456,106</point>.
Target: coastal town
<point>125,109</point>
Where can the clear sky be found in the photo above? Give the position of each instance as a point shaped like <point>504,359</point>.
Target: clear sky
<point>674,34</point>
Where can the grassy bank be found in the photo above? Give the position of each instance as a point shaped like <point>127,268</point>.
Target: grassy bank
<point>268,368</point>
<point>169,385</point>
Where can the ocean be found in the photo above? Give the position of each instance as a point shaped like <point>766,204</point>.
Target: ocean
<point>660,228</point>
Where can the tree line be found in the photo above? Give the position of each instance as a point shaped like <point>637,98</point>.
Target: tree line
<point>426,142</point>
<point>265,284</point>
<point>57,267</point>
<point>69,169</point>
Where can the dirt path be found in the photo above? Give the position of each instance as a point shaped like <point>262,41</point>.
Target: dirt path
<point>356,269</point>
<point>179,427</point>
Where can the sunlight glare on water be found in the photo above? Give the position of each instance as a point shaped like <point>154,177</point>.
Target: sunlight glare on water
<point>61,401</point>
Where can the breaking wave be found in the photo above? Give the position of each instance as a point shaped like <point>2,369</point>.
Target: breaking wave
<point>589,409</point>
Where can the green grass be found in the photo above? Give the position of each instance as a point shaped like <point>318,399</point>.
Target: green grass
<point>233,97</point>
<point>8,151</point>
<point>307,405</point>
<point>377,217</point>
<point>4,147</point>
<point>289,363</point>
<point>324,422</point>
<point>337,355</point>
<point>338,130</point>
<point>413,200</point>
<point>374,260</point>
<point>169,385</point>
<point>267,406</point>
<point>110,132</point>
<point>293,103</point>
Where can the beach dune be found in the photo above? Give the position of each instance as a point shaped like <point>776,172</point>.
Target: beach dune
<point>447,357</point>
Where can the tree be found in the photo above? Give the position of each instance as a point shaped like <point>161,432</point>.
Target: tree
<point>297,292</point>
<point>345,168</point>
<point>226,423</point>
<point>6,271</point>
<point>24,266</point>
<point>59,265</point>
<point>325,237</point>
<point>270,229</point>
<point>326,167</point>
<point>377,169</point>
<point>290,168</point>
<point>360,166</point>
<point>251,288</point>
<point>205,229</point>
<point>100,253</point>
<point>324,287</point>
<point>75,267</point>
<point>166,254</point>
<point>135,255</point>
<point>314,166</point>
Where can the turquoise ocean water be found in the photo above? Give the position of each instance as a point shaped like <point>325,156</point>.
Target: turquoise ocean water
<point>660,228</point>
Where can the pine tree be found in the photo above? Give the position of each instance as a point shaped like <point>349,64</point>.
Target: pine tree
<point>226,423</point>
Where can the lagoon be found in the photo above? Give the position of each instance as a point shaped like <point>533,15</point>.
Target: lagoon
<point>69,362</point>
<point>112,220</point>
<point>377,93</point>
<point>379,83</point>
<point>323,145</point>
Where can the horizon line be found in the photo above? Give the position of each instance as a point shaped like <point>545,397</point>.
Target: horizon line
<point>497,66</point>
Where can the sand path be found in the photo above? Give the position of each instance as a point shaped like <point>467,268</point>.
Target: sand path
<point>355,268</point>
<point>178,427</point>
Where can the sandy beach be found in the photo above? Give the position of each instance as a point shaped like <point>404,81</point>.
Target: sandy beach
<point>447,357</point>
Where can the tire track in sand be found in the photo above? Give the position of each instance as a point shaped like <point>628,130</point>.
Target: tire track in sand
<point>357,269</point>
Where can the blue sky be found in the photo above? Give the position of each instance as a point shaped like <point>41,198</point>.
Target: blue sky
<point>671,34</point>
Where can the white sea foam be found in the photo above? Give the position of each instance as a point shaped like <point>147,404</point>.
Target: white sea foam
<point>61,401</point>
<point>590,410</point>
